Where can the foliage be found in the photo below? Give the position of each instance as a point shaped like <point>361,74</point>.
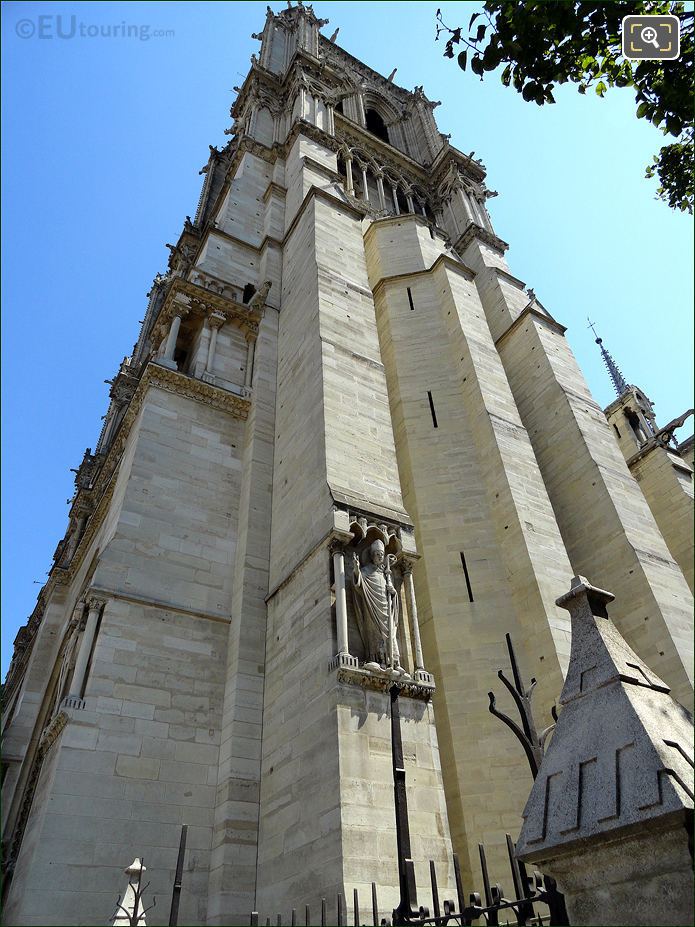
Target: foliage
<point>542,44</point>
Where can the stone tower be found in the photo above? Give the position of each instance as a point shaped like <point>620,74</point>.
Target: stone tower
<point>350,450</point>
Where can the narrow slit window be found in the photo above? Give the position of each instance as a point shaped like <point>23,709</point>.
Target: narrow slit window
<point>410,299</point>
<point>433,413</point>
<point>617,430</point>
<point>468,579</point>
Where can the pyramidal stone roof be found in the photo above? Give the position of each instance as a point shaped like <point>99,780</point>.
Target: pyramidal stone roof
<point>621,756</point>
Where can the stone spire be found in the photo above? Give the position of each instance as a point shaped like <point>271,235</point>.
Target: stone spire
<point>617,777</point>
<point>613,370</point>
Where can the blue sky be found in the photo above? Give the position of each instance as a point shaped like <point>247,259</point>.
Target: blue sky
<point>103,140</point>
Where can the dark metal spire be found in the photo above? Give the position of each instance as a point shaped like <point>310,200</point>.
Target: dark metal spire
<point>613,369</point>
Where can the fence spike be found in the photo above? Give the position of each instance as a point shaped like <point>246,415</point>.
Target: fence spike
<point>435,890</point>
<point>323,912</point>
<point>294,917</point>
<point>459,883</point>
<point>254,919</point>
<point>375,907</point>
<point>307,916</point>
<point>341,910</point>
<point>356,906</point>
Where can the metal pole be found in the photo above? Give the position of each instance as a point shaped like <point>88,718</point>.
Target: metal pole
<point>176,893</point>
<point>408,906</point>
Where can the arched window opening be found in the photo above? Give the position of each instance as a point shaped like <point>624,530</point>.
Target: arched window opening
<point>402,201</point>
<point>341,167</point>
<point>339,107</point>
<point>249,290</point>
<point>376,125</point>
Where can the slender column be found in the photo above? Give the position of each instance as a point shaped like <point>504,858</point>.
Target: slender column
<point>412,609</point>
<point>409,201</point>
<point>78,677</point>
<point>365,188</point>
<point>216,321</point>
<point>484,215</point>
<point>330,121</point>
<point>74,539</point>
<point>423,211</point>
<point>250,352</point>
<point>340,598</point>
<point>202,352</point>
<point>463,196</point>
<point>172,336</point>
<point>348,175</point>
<point>380,188</point>
<point>394,196</point>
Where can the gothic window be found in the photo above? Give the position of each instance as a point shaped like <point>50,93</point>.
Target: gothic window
<point>339,107</point>
<point>376,125</point>
<point>402,201</point>
<point>249,290</point>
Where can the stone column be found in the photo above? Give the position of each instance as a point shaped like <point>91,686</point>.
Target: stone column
<point>349,186</point>
<point>340,599</point>
<point>365,188</point>
<point>94,606</point>
<point>202,352</point>
<point>250,354</point>
<point>216,320</point>
<point>167,358</point>
<point>409,201</point>
<point>380,187</point>
<point>75,537</point>
<point>465,202</point>
<point>412,610</point>
<point>394,196</point>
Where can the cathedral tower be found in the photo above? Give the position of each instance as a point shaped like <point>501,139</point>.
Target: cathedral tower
<point>349,452</point>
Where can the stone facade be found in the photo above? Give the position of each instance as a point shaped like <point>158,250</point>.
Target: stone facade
<point>337,355</point>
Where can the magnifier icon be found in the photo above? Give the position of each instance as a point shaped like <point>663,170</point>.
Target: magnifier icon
<point>648,36</point>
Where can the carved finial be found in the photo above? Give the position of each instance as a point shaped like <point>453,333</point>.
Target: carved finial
<point>335,35</point>
<point>391,75</point>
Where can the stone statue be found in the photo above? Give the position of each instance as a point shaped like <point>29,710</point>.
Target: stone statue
<point>378,607</point>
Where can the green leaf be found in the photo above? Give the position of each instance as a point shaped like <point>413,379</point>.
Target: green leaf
<point>642,110</point>
<point>507,75</point>
<point>477,65</point>
<point>473,19</point>
<point>601,89</point>
<point>480,34</point>
<point>462,60</point>
<point>529,91</point>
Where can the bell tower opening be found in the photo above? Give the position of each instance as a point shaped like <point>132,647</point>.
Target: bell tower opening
<point>376,125</point>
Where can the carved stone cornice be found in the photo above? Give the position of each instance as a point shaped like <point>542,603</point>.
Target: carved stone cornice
<point>422,688</point>
<point>192,388</point>
<point>477,232</point>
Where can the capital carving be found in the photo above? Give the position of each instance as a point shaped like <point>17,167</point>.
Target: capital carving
<point>94,602</point>
<point>216,320</point>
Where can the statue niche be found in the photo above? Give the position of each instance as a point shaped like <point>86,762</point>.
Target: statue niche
<point>375,582</point>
